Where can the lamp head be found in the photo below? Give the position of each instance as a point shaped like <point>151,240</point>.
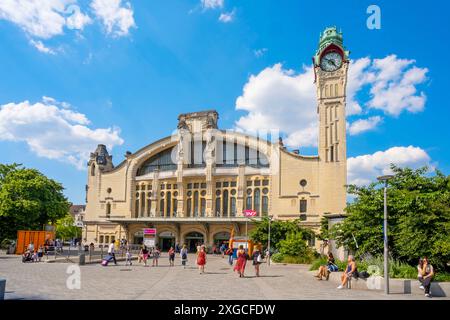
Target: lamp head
<point>385,178</point>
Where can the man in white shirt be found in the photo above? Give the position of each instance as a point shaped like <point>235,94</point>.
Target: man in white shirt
<point>111,252</point>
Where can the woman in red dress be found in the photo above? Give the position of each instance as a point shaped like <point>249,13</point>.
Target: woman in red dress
<point>241,261</point>
<point>201,259</point>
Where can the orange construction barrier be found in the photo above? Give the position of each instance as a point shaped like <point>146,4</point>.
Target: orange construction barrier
<point>38,238</point>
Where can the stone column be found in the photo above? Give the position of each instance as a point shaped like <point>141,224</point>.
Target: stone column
<point>146,202</point>
<point>155,190</point>
<point>241,184</point>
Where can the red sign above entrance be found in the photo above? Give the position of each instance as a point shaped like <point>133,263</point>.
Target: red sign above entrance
<point>250,213</point>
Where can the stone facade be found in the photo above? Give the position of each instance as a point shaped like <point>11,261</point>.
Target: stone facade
<point>194,185</point>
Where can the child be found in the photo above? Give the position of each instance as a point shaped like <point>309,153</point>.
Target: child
<point>128,257</point>
<point>35,256</point>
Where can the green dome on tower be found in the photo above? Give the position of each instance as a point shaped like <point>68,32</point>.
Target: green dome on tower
<point>330,36</point>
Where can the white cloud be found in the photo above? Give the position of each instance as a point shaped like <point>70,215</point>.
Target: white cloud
<point>77,20</point>
<point>41,47</point>
<point>54,131</point>
<point>281,99</point>
<point>392,84</point>
<point>211,4</point>
<point>278,98</point>
<point>260,52</point>
<point>116,18</point>
<point>362,125</point>
<point>44,18</point>
<point>362,170</point>
<point>227,16</point>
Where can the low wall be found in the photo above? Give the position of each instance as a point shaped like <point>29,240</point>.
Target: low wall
<point>402,286</point>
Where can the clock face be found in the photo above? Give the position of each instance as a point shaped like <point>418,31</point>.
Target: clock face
<point>331,61</point>
<point>101,160</point>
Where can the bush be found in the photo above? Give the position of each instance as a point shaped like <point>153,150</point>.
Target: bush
<point>283,258</point>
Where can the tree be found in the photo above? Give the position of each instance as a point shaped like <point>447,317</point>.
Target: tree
<point>294,245</point>
<point>65,228</point>
<point>278,231</point>
<point>28,200</point>
<point>418,217</point>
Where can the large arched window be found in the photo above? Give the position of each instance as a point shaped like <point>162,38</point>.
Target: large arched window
<point>233,154</point>
<point>169,204</point>
<point>196,204</point>
<point>189,207</point>
<point>217,207</point>
<point>225,204</point>
<point>161,161</point>
<point>257,203</point>
<point>233,206</point>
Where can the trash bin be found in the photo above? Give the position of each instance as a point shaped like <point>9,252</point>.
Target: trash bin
<point>2,288</point>
<point>82,259</point>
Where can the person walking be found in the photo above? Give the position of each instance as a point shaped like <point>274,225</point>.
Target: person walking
<point>229,253</point>
<point>40,253</point>
<point>201,259</point>
<point>257,259</point>
<point>143,254</point>
<point>111,251</point>
<point>156,255</point>
<point>128,257</point>
<point>427,276</point>
<point>184,256</point>
<point>241,261</point>
<point>171,257</point>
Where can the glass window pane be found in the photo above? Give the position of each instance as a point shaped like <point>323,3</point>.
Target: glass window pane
<point>303,206</point>
<point>265,204</point>
<point>217,207</point>
<point>248,204</point>
<point>225,203</point>
<point>257,200</point>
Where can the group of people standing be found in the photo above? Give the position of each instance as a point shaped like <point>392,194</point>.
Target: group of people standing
<point>242,257</point>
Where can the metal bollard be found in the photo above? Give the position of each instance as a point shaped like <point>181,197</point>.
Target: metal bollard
<point>2,288</point>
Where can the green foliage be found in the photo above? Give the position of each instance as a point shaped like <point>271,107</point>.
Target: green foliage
<point>294,245</point>
<point>278,231</point>
<point>324,232</point>
<point>28,200</point>
<point>65,228</point>
<point>282,258</point>
<point>418,218</point>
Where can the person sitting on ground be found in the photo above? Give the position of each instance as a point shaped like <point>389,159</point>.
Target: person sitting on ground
<point>325,270</point>
<point>427,275</point>
<point>349,272</point>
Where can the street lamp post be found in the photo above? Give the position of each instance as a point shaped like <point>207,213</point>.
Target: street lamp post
<point>268,242</point>
<point>385,237</point>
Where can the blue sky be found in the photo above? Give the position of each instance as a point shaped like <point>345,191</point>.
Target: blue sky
<point>120,72</point>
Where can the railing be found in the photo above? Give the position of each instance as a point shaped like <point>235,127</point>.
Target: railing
<point>69,253</point>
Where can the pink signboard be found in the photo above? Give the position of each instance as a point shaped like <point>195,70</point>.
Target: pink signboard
<point>150,231</point>
<point>249,213</point>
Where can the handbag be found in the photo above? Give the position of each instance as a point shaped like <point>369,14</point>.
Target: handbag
<point>259,258</point>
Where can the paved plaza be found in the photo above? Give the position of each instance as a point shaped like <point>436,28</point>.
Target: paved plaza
<point>48,281</point>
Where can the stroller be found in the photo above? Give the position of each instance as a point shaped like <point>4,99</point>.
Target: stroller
<point>27,256</point>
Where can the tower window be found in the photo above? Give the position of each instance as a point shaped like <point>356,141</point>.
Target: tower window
<point>303,206</point>
<point>108,209</point>
<point>331,153</point>
<point>93,170</point>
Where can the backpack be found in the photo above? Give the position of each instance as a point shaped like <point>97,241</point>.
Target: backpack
<point>184,255</point>
<point>363,274</point>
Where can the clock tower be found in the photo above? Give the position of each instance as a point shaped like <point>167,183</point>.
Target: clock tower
<point>331,63</point>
